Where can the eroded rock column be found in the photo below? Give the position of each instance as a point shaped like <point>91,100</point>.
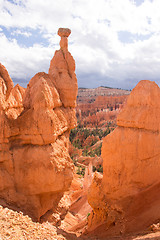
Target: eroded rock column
<point>35,123</point>
<point>62,71</point>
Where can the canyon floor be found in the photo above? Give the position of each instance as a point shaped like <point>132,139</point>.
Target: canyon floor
<point>14,225</point>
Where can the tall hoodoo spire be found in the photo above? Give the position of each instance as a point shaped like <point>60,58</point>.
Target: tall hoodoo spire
<point>62,71</point>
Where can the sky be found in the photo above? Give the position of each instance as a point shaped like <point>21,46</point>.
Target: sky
<point>115,43</point>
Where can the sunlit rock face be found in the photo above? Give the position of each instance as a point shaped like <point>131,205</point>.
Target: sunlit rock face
<point>127,198</point>
<point>62,72</point>
<point>35,167</point>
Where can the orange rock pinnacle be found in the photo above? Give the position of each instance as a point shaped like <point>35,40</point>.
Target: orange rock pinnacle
<point>64,34</point>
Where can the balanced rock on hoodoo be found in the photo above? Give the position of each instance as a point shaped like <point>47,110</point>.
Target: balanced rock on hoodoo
<point>35,124</point>
<point>127,198</point>
<point>62,72</point>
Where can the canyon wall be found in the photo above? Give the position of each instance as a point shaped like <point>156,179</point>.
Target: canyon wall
<point>101,110</point>
<point>126,199</point>
<point>35,166</point>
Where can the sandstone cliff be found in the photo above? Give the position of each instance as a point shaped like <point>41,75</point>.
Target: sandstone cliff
<point>35,167</point>
<point>127,199</point>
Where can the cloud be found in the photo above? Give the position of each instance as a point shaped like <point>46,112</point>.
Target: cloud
<point>20,32</point>
<point>21,62</point>
<point>116,40</point>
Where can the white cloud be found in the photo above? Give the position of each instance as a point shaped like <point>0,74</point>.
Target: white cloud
<point>94,40</point>
<point>20,32</point>
<point>21,62</point>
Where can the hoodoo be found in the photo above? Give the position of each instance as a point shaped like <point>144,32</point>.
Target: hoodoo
<point>127,198</point>
<point>35,167</point>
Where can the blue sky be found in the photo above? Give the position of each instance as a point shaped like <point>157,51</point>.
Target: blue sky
<point>115,43</point>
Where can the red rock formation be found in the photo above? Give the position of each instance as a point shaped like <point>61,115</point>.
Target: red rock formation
<point>127,198</point>
<point>91,140</point>
<point>35,167</point>
<point>62,72</point>
<point>14,102</point>
<point>74,152</point>
<point>103,109</point>
<point>5,81</point>
<point>76,218</point>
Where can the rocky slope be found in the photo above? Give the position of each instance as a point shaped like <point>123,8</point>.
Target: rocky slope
<point>35,167</point>
<point>126,199</point>
<point>14,225</point>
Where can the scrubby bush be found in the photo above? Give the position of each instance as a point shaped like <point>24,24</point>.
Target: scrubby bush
<point>98,169</point>
<point>97,151</point>
<point>81,171</point>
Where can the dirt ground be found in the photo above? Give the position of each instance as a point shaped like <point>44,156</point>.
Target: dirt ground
<point>15,225</point>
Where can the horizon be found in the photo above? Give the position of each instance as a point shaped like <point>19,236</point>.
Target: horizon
<point>86,87</point>
<point>105,87</point>
<point>114,43</point>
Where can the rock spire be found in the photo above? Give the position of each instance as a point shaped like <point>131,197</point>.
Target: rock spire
<point>35,166</point>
